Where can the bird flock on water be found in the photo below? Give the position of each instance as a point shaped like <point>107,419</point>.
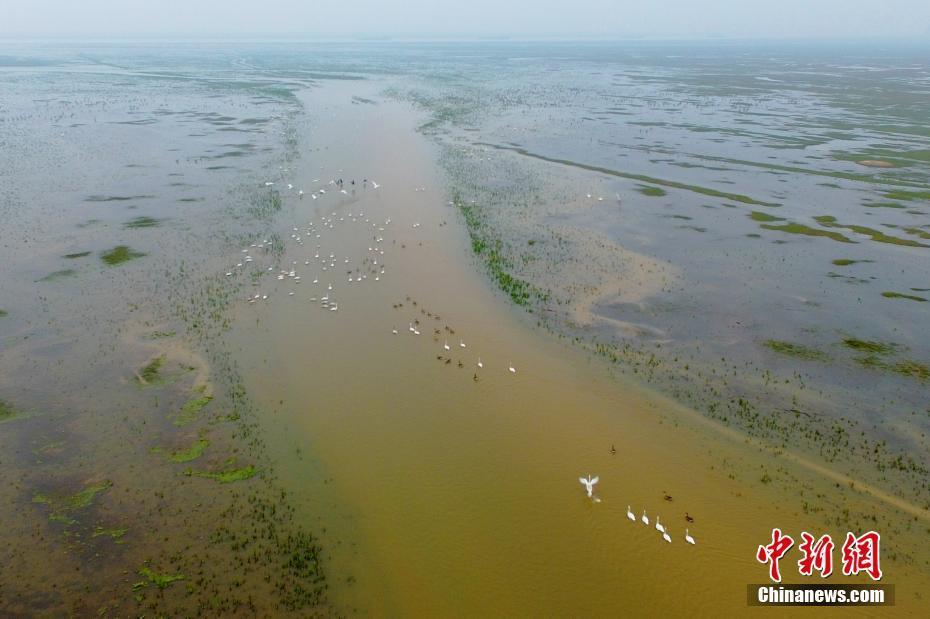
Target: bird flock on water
<point>589,483</point>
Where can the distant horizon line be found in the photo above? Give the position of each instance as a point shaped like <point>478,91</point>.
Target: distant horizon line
<point>404,38</point>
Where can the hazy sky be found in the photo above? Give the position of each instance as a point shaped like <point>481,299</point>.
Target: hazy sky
<point>682,18</point>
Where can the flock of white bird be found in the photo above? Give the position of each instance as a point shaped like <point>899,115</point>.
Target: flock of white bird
<point>589,482</point>
<point>371,268</point>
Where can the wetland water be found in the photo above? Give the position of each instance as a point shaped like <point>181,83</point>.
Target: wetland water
<point>207,409</point>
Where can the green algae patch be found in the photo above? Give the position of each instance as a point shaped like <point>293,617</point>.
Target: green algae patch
<point>654,192</point>
<point>185,455</point>
<point>796,228</point>
<point>120,254</point>
<point>63,506</point>
<point>160,580</point>
<point>796,350</point>
<point>225,477</point>
<point>151,373</point>
<point>870,346</point>
<point>80,254</point>
<point>57,275</point>
<point>889,294</point>
<point>758,216</point>
<point>192,408</point>
<point>907,195</point>
<point>845,262</point>
<point>912,368</point>
<point>7,412</point>
<point>142,222</point>
<point>877,235</point>
<point>111,533</point>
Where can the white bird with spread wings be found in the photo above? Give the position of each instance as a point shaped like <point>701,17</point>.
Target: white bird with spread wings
<point>588,483</point>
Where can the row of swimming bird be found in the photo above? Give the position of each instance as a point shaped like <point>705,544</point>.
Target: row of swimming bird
<point>414,329</point>
<point>589,482</point>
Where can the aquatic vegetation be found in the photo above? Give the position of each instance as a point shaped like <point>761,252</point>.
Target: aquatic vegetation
<point>80,254</point>
<point>758,216</point>
<point>119,255</point>
<point>3,313</point>
<point>186,455</point>
<point>907,195</point>
<point>636,177</point>
<point>877,235</point>
<point>227,476</point>
<point>7,412</point>
<point>845,262</point>
<point>63,506</point>
<point>796,228</point>
<point>117,533</point>
<point>192,407</point>
<point>912,368</point>
<point>51,277</point>
<point>651,191</point>
<point>160,580</point>
<point>142,222</point>
<point>796,350</point>
<point>888,294</point>
<point>880,348</point>
<point>151,372</point>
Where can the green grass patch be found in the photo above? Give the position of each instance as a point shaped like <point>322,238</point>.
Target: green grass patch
<point>226,477</point>
<point>796,350</point>
<point>160,580</point>
<point>889,294</point>
<point>654,192</point>
<point>759,216</point>
<point>796,228</point>
<point>142,222</point>
<point>51,277</point>
<point>877,235</point>
<point>7,412</point>
<point>912,368</point>
<point>119,255</point>
<point>192,408</point>
<point>63,506</point>
<point>185,455</point>
<point>870,346</point>
<point>111,533</point>
<point>900,194</point>
<point>151,373</point>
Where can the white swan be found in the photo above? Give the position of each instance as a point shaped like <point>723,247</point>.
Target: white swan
<point>446,345</point>
<point>512,369</point>
<point>630,514</point>
<point>589,484</point>
<point>462,343</point>
<point>688,537</point>
<point>480,365</point>
<point>667,537</point>
<point>660,528</point>
<point>645,519</point>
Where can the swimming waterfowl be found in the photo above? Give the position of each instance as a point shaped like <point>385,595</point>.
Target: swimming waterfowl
<point>588,483</point>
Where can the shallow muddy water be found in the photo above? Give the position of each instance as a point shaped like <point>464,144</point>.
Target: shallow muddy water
<point>207,409</point>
